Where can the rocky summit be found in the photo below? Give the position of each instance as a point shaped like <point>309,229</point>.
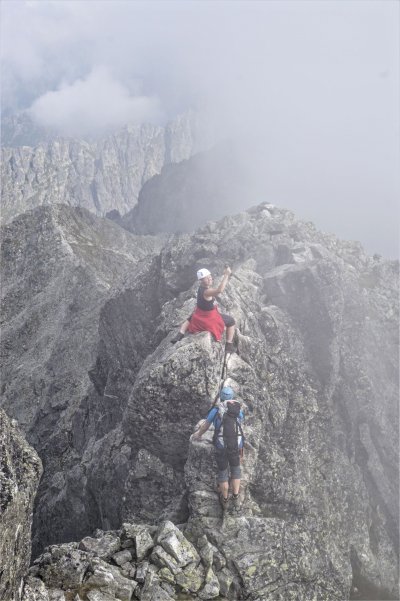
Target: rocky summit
<point>89,311</point>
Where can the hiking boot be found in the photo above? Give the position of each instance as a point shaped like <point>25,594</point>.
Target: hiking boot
<point>177,338</point>
<point>236,503</point>
<point>229,347</point>
<point>223,501</point>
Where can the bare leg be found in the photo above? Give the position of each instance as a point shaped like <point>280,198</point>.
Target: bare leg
<point>235,486</point>
<point>181,332</point>
<point>184,327</point>
<point>229,333</point>
<point>223,489</point>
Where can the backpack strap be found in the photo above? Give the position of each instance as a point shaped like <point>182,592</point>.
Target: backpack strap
<point>239,426</point>
<point>217,431</point>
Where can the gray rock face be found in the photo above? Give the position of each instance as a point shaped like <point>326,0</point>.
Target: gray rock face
<point>100,175</point>
<point>20,471</point>
<point>20,130</point>
<point>317,372</point>
<point>185,196</point>
<point>61,266</point>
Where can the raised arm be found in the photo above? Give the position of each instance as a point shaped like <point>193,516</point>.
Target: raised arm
<point>210,292</point>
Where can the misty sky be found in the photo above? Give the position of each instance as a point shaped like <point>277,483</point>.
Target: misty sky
<point>314,85</point>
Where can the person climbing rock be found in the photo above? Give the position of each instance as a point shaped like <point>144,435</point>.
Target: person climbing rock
<point>206,316</point>
<point>228,441</point>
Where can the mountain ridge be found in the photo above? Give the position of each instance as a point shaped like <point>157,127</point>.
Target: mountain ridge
<point>99,175</point>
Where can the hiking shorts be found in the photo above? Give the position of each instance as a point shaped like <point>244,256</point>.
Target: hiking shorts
<point>227,319</point>
<point>227,460</point>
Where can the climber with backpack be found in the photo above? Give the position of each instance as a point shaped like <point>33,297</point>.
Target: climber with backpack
<point>206,316</point>
<point>228,441</point>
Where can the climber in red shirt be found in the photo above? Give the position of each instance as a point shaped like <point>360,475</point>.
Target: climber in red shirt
<point>206,316</point>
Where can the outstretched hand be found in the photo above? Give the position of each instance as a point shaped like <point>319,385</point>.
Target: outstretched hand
<point>227,270</point>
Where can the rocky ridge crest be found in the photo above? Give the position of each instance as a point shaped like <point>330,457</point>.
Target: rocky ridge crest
<point>317,372</point>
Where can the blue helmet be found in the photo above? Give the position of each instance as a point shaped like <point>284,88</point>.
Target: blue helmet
<point>226,393</point>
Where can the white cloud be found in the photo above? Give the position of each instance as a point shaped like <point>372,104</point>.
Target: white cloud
<point>93,105</point>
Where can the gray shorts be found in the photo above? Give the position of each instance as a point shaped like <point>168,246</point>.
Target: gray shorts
<point>225,461</point>
<point>223,475</point>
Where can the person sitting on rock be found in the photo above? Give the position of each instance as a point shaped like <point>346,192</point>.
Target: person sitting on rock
<point>228,441</point>
<point>206,317</point>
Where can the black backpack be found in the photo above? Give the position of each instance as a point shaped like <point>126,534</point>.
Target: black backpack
<point>230,429</point>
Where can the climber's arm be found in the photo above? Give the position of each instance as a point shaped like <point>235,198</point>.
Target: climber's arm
<point>210,292</point>
<point>203,428</point>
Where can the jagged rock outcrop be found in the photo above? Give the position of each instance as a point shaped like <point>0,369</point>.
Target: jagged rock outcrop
<point>98,175</point>
<point>20,471</point>
<point>317,372</point>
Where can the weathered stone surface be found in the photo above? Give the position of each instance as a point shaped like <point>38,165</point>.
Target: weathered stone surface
<point>152,591</point>
<point>211,587</point>
<point>139,536</point>
<point>191,578</point>
<point>58,595</point>
<point>167,575</point>
<point>143,544</point>
<point>63,567</point>
<point>104,547</point>
<point>162,558</point>
<point>141,571</point>
<point>122,557</point>
<point>99,596</point>
<point>318,376</point>
<point>35,590</point>
<point>182,551</point>
<point>168,588</point>
<point>206,551</point>
<point>225,579</point>
<point>20,471</point>
<point>128,570</point>
<point>176,544</point>
<point>109,580</point>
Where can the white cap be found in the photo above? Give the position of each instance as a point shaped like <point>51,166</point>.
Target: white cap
<point>202,273</point>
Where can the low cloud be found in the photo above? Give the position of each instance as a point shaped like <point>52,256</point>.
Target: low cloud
<point>314,85</point>
<point>93,105</point>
